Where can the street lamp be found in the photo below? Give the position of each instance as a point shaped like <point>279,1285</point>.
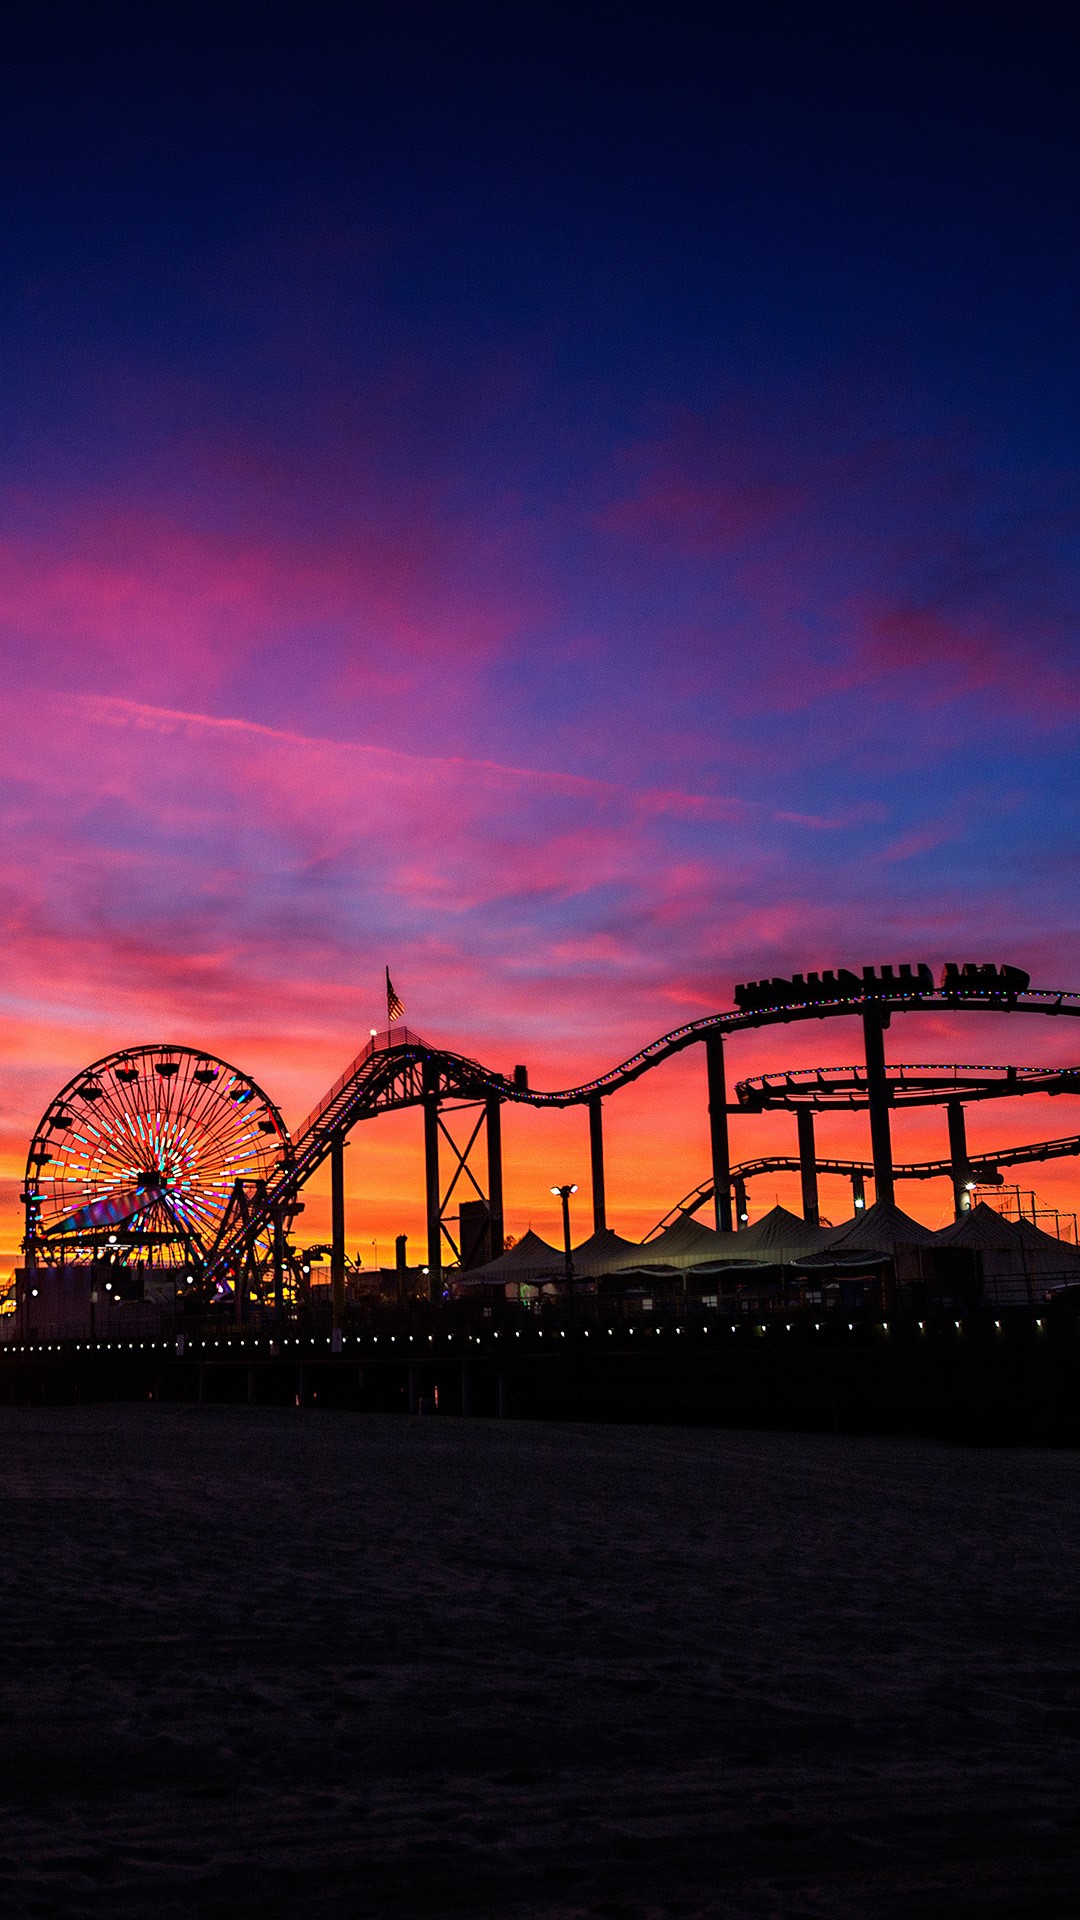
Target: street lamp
<point>563,1194</point>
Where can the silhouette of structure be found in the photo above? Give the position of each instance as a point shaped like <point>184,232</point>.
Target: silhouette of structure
<point>461,1102</point>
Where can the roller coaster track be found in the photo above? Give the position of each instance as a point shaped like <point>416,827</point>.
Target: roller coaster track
<point>983,1168</point>
<point>399,1070</point>
<point>909,1086</point>
<point>390,1073</point>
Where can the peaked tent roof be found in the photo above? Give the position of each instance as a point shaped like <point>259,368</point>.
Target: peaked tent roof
<point>1050,1253</point>
<point>988,1230</point>
<point>777,1234</point>
<point>983,1227</point>
<point>881,1229</point>
<point>686,1241</point>
<point>531,1258</point>
<point>605,1252</point>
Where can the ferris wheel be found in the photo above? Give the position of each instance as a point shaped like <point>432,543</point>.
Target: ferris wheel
<point>139,1157</point>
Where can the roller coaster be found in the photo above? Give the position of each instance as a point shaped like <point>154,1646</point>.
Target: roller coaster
<point>170,1157</point>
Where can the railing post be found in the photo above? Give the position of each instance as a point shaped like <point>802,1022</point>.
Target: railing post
<point>718,1131</point>
<point>596,1151</point>
<point>493,1108</point>
<point>430,1085</point>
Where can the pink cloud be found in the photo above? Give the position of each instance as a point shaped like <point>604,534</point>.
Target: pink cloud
<point>142,602</point>
<point>950,655</point>
<point>183,852</point>
<point>813,562</point>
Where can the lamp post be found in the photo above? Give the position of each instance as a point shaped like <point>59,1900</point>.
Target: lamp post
<point>563,1194</point>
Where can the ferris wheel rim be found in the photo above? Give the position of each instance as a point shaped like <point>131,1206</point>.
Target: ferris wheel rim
<point>198,1126</point>
<point>159,1046</point>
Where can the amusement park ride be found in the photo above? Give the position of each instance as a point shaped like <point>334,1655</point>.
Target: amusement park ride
<point>169,1161</point>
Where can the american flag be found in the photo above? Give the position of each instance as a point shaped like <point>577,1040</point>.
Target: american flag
<point>394,1007</point>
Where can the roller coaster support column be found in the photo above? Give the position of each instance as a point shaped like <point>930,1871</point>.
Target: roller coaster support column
<point>718,1133</point>
<point>337,1229</point>
<point>596,1148</point>
<point>493,1106</point>
<point>877,1089</point>
<point>431,1178</point>
<point>804,1117</point>
<point>961,1170</point>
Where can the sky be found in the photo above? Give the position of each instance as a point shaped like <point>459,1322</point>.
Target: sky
<point>579,505</point>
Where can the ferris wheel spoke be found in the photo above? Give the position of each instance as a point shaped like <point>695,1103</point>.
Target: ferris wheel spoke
<point>217,1120</point>
<point>106,1113</point>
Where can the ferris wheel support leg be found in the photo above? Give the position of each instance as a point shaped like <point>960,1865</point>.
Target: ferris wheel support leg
<point>804,1119</point>
<point>337,1229</point>
<point>877,1090</point>
<point>718,1131</point>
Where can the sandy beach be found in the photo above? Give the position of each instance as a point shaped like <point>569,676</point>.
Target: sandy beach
<point>306,1663</point>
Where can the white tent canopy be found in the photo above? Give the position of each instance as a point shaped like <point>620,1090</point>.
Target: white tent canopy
<point>777,1236</point>
<point>686,1242</point>
<point>605,1252</point>
<point>530,1260</point>
<point>881,1229</point>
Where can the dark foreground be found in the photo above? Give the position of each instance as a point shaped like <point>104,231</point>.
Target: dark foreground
<point>293,1662</point>
<point>1006,1378</point>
